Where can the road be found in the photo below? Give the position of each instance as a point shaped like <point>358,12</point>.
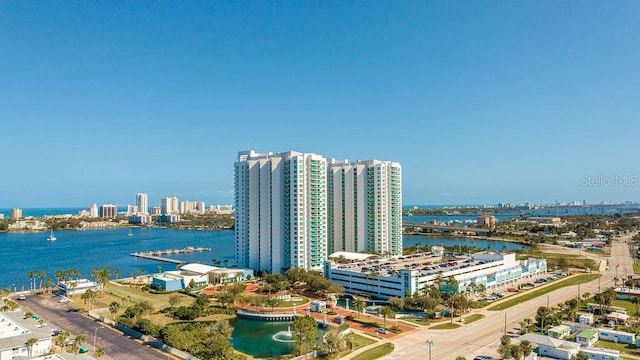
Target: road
<point>116,345</point>
<point>483,337</point>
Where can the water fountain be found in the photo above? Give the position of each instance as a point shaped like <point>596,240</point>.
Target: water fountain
<point>283,336</point>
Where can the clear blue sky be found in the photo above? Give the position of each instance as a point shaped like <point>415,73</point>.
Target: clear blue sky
<point>481,102</point>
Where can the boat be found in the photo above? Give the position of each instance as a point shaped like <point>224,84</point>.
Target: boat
<point>130,233</point>
<point>51,237</point>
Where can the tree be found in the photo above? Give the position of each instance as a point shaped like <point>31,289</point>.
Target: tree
<point>385,311</point>
<point>30,343</point>
<point>99,353</point>
<point>272,302</point>
<point>526,347</point>
<point>580,356</point>
<point>358,305</point>
<point>116,273</point>
<point>78,341</point>
<point>174,300</point>
<point>505,347</point>
<point>114,306</point>
<point>42,275</point>
<point>396,303</point>
<point>461,358</point>
<point>304,330</point>
<point>32,274</point>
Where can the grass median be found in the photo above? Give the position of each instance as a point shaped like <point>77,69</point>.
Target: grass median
<point>573,280</point>
<point>376,352</point>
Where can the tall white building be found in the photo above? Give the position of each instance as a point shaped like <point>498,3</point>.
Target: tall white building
<point>169,205</point>
<point>365,207</point>
<point>142,203</point>
<point>293,209</point>
<point>281,211</point>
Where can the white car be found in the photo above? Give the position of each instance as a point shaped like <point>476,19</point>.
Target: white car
<point>21,297</point>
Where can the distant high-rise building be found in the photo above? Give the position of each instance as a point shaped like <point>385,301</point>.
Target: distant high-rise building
<point>365,207</point>
<point>16,213</point>
<point>132,210</point>
<point>108,211</point>
<point>142,202</point>
<point>281,207</point>
<point>155,210</point>
<point>169,205</point>
<point>93,210</point>
<point>191,207</point>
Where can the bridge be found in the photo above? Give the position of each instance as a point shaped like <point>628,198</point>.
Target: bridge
<point>447,228</point>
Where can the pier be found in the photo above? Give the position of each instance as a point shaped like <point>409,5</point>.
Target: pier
<point>187,250</point>
<point>146,255</point>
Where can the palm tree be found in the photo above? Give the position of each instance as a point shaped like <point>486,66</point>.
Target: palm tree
<point>358,305</point>
<point>78,341</point>
<point>385,311</point>
<point>134,276</point>
<point>41,275</point>
<point>32,274</point>
<point>114,306</point>
<point>116,273</point>
<point>48,284</point>
<point>30,343</point>
<point>461,358</point>
<point>526,347</point>
<point>99,353</point>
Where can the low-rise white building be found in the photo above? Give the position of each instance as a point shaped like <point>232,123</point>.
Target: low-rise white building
<point>15,331</point>
<point>79,286</point>
<point>402,276</point>
<point>553,348</point>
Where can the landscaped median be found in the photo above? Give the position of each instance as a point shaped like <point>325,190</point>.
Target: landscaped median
<point>376,352</point>
<point>515,300</point>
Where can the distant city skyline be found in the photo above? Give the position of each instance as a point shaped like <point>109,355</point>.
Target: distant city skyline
<point>481,103</point>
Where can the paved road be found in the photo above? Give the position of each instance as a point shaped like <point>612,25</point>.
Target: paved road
<point>483,337</point>
<point>116,345</point>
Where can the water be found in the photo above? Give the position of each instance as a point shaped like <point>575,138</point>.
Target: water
<point>91,249</point>
<point>412,240</point>
<point>255,337</point>
<point>40,212</point>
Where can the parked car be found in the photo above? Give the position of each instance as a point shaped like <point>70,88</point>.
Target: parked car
<point>382,330</point>
<point>21,297</point>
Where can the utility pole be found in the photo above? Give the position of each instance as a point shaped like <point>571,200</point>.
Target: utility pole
<point>429,342</point>
<point>505,323</point>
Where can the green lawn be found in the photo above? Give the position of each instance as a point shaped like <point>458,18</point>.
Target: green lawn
<point>359,341</point>
<point>531,294</point>
<point>375,353</point>
<point>472,318</point>
<point>416,321</point>
<point>445,326</point>
<point>623,348</point>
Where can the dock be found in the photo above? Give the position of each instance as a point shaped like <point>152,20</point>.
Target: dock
<point>157,258</point>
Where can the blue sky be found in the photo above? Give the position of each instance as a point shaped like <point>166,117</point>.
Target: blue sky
<point>481,102</point>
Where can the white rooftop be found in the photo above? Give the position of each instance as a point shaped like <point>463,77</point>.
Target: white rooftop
<point>8,328</point>
<point>198,268</point>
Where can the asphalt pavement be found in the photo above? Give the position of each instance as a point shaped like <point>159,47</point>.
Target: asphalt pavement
<point>116,345</point>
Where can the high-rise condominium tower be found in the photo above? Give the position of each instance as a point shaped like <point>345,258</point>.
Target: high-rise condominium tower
<point>286,209</point>
<point>365,207</point>
<point>169,205</point>
<point>281,210</point>
<point>142,203</point>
